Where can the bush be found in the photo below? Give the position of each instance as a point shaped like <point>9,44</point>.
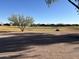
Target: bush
<point>57,30</point>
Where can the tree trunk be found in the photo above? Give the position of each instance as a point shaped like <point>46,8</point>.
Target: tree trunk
<point>74,4</point>
<point>22,30</point>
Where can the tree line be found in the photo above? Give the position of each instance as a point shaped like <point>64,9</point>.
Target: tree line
<point>37,25</point>
<point>54,25</point>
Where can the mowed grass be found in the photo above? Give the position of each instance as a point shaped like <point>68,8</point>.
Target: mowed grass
<point>38,29</point>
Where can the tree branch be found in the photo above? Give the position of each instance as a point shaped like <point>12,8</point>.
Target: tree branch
<point>74,4</point>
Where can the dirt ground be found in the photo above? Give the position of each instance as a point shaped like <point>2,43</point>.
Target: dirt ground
<point>39,45</point>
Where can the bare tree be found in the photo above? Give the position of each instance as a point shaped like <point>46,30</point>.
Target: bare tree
<point>21,21</point>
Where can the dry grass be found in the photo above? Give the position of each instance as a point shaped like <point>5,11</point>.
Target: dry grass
<point>38,29</point>
<point>8,28</point>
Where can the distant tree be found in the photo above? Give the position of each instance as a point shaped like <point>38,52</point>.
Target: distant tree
<point>21,21</point>
<point>6,24</point>
<point>75,24</point>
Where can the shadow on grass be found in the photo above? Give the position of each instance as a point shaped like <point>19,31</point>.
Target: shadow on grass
<point>25,40</point>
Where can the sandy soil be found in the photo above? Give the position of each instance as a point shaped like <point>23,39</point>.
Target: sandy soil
<point>39,46</point>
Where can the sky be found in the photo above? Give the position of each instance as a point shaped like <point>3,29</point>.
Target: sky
<point>60,12</point>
